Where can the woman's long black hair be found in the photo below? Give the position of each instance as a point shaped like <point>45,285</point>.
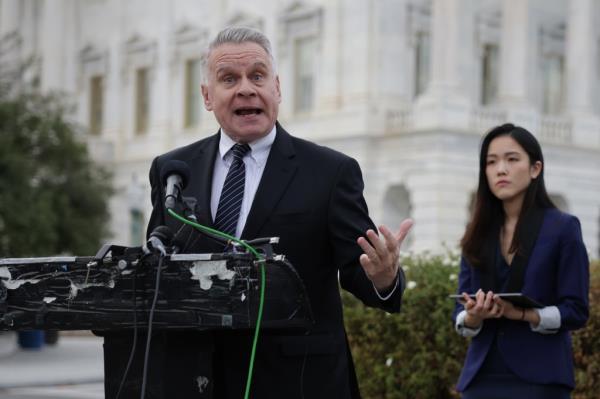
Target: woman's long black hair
<point>488,215</point>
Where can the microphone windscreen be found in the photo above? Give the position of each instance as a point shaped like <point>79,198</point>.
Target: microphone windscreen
<point>163,233</point>
<point>175,167</point>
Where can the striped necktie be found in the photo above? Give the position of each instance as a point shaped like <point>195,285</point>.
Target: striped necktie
<point>230,202</point>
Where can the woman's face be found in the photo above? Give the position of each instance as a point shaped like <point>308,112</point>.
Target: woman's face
<point>508,169</point>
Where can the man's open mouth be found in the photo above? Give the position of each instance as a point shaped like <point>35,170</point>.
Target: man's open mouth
<point>248,111</point>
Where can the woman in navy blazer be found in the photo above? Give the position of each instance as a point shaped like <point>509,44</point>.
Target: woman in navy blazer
<point>517,241</point>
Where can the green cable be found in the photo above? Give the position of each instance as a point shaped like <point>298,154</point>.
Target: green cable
<point>262,286</point>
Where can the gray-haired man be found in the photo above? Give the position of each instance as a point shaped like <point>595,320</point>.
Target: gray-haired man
<point>309,196</point>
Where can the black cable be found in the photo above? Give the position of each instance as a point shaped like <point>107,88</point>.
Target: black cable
<point>134,344</point>
<point>302,370</point>
<point>150,317</point>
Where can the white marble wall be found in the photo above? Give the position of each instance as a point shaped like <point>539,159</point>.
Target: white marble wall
<point>364,103</point>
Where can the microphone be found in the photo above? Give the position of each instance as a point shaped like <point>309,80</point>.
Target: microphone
<point>160,237</point>
<point>174,175</point>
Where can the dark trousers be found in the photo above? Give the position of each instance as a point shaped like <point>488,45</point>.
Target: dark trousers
<point>496,381</point>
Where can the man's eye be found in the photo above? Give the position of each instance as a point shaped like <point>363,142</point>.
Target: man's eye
<point>257,76</point>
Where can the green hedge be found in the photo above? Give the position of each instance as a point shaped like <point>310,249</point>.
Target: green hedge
<point>416,354</point>
<point>586,344</point>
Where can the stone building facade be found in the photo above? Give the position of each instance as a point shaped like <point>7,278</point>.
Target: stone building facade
<point>407,87</point>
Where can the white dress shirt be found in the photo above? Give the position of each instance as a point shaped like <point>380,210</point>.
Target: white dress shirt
<point>254,162</point>
<point>549,322</point>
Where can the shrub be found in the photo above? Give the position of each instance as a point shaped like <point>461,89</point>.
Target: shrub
<point>586,344</point>
<point>414,354</point>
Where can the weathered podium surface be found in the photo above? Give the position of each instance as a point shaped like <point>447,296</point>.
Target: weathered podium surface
<point>114,291</point>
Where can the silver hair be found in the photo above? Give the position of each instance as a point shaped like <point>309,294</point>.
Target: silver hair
<point>237,35</point>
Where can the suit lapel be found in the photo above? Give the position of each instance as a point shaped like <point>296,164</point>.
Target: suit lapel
<point>203,165</point>
<point>489,257</point>
<point>532,224</point>
<point>279,171</point>
<point>488,267</point>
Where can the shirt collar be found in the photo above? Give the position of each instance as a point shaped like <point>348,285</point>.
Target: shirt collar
<point>260,148</point>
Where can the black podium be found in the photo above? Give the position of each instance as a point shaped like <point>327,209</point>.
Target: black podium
<point>197,292</point>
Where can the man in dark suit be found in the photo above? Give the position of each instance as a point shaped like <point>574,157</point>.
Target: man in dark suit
<point>309,196</point>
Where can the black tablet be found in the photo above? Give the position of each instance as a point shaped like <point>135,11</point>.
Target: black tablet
<point>516,298</point>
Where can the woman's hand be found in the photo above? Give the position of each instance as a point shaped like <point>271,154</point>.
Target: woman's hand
<point>491,306</point>
<point>508,310</point>
<point>512,312</point>
<point>483,306</point>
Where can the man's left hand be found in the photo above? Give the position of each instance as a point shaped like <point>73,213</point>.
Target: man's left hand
<point>380,257</point>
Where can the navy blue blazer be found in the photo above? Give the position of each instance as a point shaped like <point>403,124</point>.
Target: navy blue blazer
<point>557,274</point>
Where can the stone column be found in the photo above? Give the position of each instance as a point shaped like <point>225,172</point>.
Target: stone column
<point>52,45</point>
<point>389,84</point>
<point>356,28</point>
<point>9,16</point>
<point>11,35</point>
<point>445,103</point>
<point>518,62</point>
<point>581,72</point>
<point>330,98</point>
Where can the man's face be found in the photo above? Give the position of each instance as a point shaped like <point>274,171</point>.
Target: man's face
<point>242,90</point>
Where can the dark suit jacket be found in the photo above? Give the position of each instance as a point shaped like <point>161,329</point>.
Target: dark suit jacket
<point>557,274</point>
<point>311,197</point>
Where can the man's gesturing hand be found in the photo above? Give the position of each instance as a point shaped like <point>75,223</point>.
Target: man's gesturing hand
<point>380,257</point>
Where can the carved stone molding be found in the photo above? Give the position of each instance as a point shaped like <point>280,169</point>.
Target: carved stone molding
<point>488,30</point>
<point>138,52</point>
<point>187,42</point>
<point>93,61</point>
<point>297,20</point>
<point>245,19</point>
<point>552,40</point>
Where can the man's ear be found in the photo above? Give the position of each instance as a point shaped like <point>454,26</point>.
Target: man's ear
<point>278,89</point>
<point>206,96</point>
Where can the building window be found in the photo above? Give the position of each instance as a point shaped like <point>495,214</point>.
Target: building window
<point>305,51</point>
<point>489,74</point>
<point>142,100</point>
<point>136,227</point>
<point>422,62</point>
<point>553,81</point>
<point>193,95</point>
<point>96,104</point>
